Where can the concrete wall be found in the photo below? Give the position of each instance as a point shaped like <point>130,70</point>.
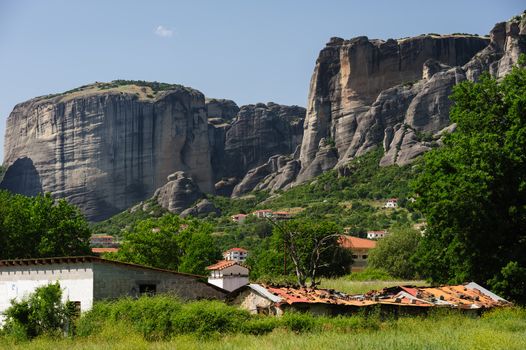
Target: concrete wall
<point>114,281</point>
<point>76,281</point>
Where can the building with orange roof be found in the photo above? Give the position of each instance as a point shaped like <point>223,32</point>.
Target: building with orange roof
<point>228,274</point>
<point>360,248</point>
<point>102,250</point>
<point>236,254</point>
<point>239,218</point>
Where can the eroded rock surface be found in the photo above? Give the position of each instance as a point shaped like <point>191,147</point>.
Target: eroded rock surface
<point>105,147</point>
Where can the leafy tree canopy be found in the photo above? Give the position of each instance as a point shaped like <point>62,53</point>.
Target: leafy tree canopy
<point>32,227</point>
<point>170,242</point>
<point>310,247</point>
<point>393,253</point>
<point>473,190</point>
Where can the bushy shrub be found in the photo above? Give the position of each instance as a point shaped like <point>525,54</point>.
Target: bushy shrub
<point>206,318</point>
<point>149,316</point>
<point>42,313</point>
<point>260,325</point>
<point>298,322</point>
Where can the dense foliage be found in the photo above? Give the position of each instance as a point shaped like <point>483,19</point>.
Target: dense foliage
<point>393,253</point>
<point>41,313</point>
<point>473,190</point>
<point>311,248</point>
<point>32,227</point>
<point>169,242</point>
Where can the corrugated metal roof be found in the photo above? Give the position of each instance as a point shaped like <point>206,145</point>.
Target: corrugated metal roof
<point>264,292</point>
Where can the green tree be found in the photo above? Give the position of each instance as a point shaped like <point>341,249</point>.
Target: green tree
<point>199,248</point>
<point>311,247</point>
<point>393,253</point>
<point>473,190</point>
<point>42,313</point>
<point>32,227</point>
<point>153,242</point>
<point>170,242</point>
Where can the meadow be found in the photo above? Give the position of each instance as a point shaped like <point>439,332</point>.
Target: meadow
<point>498,329</point>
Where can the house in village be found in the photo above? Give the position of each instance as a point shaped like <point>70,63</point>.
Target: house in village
<point>103,241</point>
<point>239,218</point>
<point>360,248</point>
<point>275,300</point>
<point>263,213</point>
<point>376,234</point>
<point>228,274</point>
<point>235,254</point>
<point>87,279</point>
<point>391,203</point>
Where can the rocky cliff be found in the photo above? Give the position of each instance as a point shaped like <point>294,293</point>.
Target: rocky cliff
<point>394,93</point>
<point>105,147</point>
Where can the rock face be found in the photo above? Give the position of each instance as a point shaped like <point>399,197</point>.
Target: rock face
<point>259,132</point>
<point>179,193</point>
<point>394,93</point>
<point>105,147</point>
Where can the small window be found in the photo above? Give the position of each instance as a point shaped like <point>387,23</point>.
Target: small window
<point>147,289</point>
<point>364,256</point>
<point>355,256</point>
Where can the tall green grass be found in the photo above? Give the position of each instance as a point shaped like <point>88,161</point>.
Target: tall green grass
<point>165,323</point>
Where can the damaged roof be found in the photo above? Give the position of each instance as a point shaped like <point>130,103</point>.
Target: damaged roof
<point>464,296</point>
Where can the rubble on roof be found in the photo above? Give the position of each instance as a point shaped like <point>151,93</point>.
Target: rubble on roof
<point>469,296</point>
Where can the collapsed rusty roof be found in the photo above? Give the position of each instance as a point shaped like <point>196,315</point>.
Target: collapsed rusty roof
<point>464,296</point>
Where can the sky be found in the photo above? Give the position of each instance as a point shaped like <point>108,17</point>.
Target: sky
<point>245,50</point>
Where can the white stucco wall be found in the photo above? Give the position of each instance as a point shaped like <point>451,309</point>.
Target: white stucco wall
<point>76,281</point>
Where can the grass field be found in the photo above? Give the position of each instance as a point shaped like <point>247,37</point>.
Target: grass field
<point>499,329</point>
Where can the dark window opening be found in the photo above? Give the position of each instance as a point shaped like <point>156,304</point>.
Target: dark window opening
<point>364,256</point>
<point>147,289</point>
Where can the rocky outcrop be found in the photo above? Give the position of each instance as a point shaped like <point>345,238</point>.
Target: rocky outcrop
<point>179,193</point>
<point>366,93</point>
<point>259,132</point>
<point>105,147</point>
<point>203,208</point>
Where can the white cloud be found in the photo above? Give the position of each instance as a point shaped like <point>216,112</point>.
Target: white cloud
<point>164,32</point>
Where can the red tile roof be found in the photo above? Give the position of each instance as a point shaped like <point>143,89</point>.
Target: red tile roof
<point>223,264</point>
<point>351,242</point>
<point>104,250</point>
<point>235,249</point>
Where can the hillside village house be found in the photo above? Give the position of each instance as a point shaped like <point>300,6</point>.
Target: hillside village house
<point>228,274</point>
<point>102,241</point>
<point>87,279</point>
<point>360,248</point>
<point>391,203</point>
<point>239,218</point>
<point>263,213</point>
<point>376,234</point>
<point>235,254</point>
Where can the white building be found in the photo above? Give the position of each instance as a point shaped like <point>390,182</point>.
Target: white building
<point>228,275</point>
<point>87,279</point>
<point>391,203</point>
<point>376,234</point>
<point>236,254</point>
<point>262,214</point>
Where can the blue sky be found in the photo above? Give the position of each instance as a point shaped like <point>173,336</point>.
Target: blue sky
<point>246,50</point>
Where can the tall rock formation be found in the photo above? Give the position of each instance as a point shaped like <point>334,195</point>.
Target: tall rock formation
<point>107,146</point>
<point>365,93</point>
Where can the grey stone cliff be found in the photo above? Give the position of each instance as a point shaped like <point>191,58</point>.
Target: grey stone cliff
<point>107,148</point>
